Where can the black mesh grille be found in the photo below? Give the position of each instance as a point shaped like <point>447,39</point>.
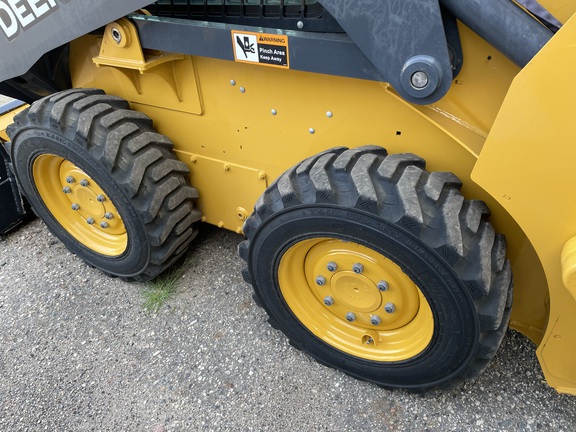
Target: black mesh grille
<point>269,13</point>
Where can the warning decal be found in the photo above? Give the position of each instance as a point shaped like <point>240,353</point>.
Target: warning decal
<point>264,49</point>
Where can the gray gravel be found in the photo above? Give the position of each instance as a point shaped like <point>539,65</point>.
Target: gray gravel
<point>80,353</point>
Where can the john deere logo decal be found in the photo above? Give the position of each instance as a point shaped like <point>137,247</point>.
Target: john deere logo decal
<point>22,14</point>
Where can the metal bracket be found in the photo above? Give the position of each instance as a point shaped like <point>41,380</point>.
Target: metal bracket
<point>405,41</point>
<point>122,50</point>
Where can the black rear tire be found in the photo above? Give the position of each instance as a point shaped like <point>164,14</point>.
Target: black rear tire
<point>363,203</point>
<point>130,166</point>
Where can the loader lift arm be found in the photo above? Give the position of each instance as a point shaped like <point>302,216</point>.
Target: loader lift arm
<point>407,49</point>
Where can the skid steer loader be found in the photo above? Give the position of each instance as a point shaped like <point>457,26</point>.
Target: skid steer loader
<point>391,163</point>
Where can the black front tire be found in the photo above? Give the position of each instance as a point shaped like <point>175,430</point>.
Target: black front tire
<point>120,152</point>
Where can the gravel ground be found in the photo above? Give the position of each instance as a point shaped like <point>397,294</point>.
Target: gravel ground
<point>80,353</point>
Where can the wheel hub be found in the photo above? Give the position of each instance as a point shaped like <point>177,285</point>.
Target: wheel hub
<point>88,202</point>
<point>355,299</point>
<point>79,204</point>
<point>355,291</point>
<point>354,285</point>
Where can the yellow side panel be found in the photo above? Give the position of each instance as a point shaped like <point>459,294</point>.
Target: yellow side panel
<point>225,179</point>
<point>527,164</point>
<point>7,119</point>
<point>562,10</point>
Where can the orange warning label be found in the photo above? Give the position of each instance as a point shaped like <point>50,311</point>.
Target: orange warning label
<point>261,48</point>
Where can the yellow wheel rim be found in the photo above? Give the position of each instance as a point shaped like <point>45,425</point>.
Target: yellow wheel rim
<point>355,299</point>
<point>79,205</point>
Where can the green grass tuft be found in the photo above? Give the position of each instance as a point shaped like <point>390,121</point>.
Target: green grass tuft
<point>162,288</point>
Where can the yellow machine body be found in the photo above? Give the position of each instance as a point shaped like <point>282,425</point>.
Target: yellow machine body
<point>532,140</point>
<point>238,126</point>
<point>6,119</point>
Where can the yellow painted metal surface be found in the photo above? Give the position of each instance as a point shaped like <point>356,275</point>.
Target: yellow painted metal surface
<point>562,10</point>
<point>79,205</point>
<point>7,119</point>
<point>267,119</point>
<point>146,77</point>
<point>527,164</point>
<point>121,48</point>
<point>346,309</point>
<point>568,262</point>
<point>230,181</point>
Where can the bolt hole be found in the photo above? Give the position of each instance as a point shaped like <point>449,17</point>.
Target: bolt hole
<point>367,340</point>
<point>489,57</point>
<point>398,133</point>
<point>116,35</point>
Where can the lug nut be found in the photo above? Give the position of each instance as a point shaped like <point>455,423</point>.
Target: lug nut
<point>375,320</point>
<point>350,317</point>
<point>320,280</point>
<point>108,215</point>
<point>104,225</point>
<point>383,285</point>
<point>358,268</point>
<point>69,179</point>
<point>90,221</point>
<point>75,207</point>
<point>84,182</point>
<point>332,266</point>
<point>328,301</point>
<point>66,190</point>
<point>101,198</point>
<point>390,308</point>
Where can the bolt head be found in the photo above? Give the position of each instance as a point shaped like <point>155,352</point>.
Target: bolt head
<point>104,225</point>
<point>108,215</point>
<point>375,320</point>
<point>358,268</point>
<point>328,301</point>
<point>90,221</point>
<point>101,198</point>
<point>320,280</point>
<point>242,90</point>
<point>390,308</point>
<point>329,114</point>
<point>419,79</point>
<point>84,182</point>
<point>332,266</point>
<point>69,179</point>
<point>350,317</point>
<point>369,341</point>
<point>312,131</point>
<point>274,112</point>
<point>66,190</point>
<point>232,82</point>
<point>383,285</point>
<point>75,207</point>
